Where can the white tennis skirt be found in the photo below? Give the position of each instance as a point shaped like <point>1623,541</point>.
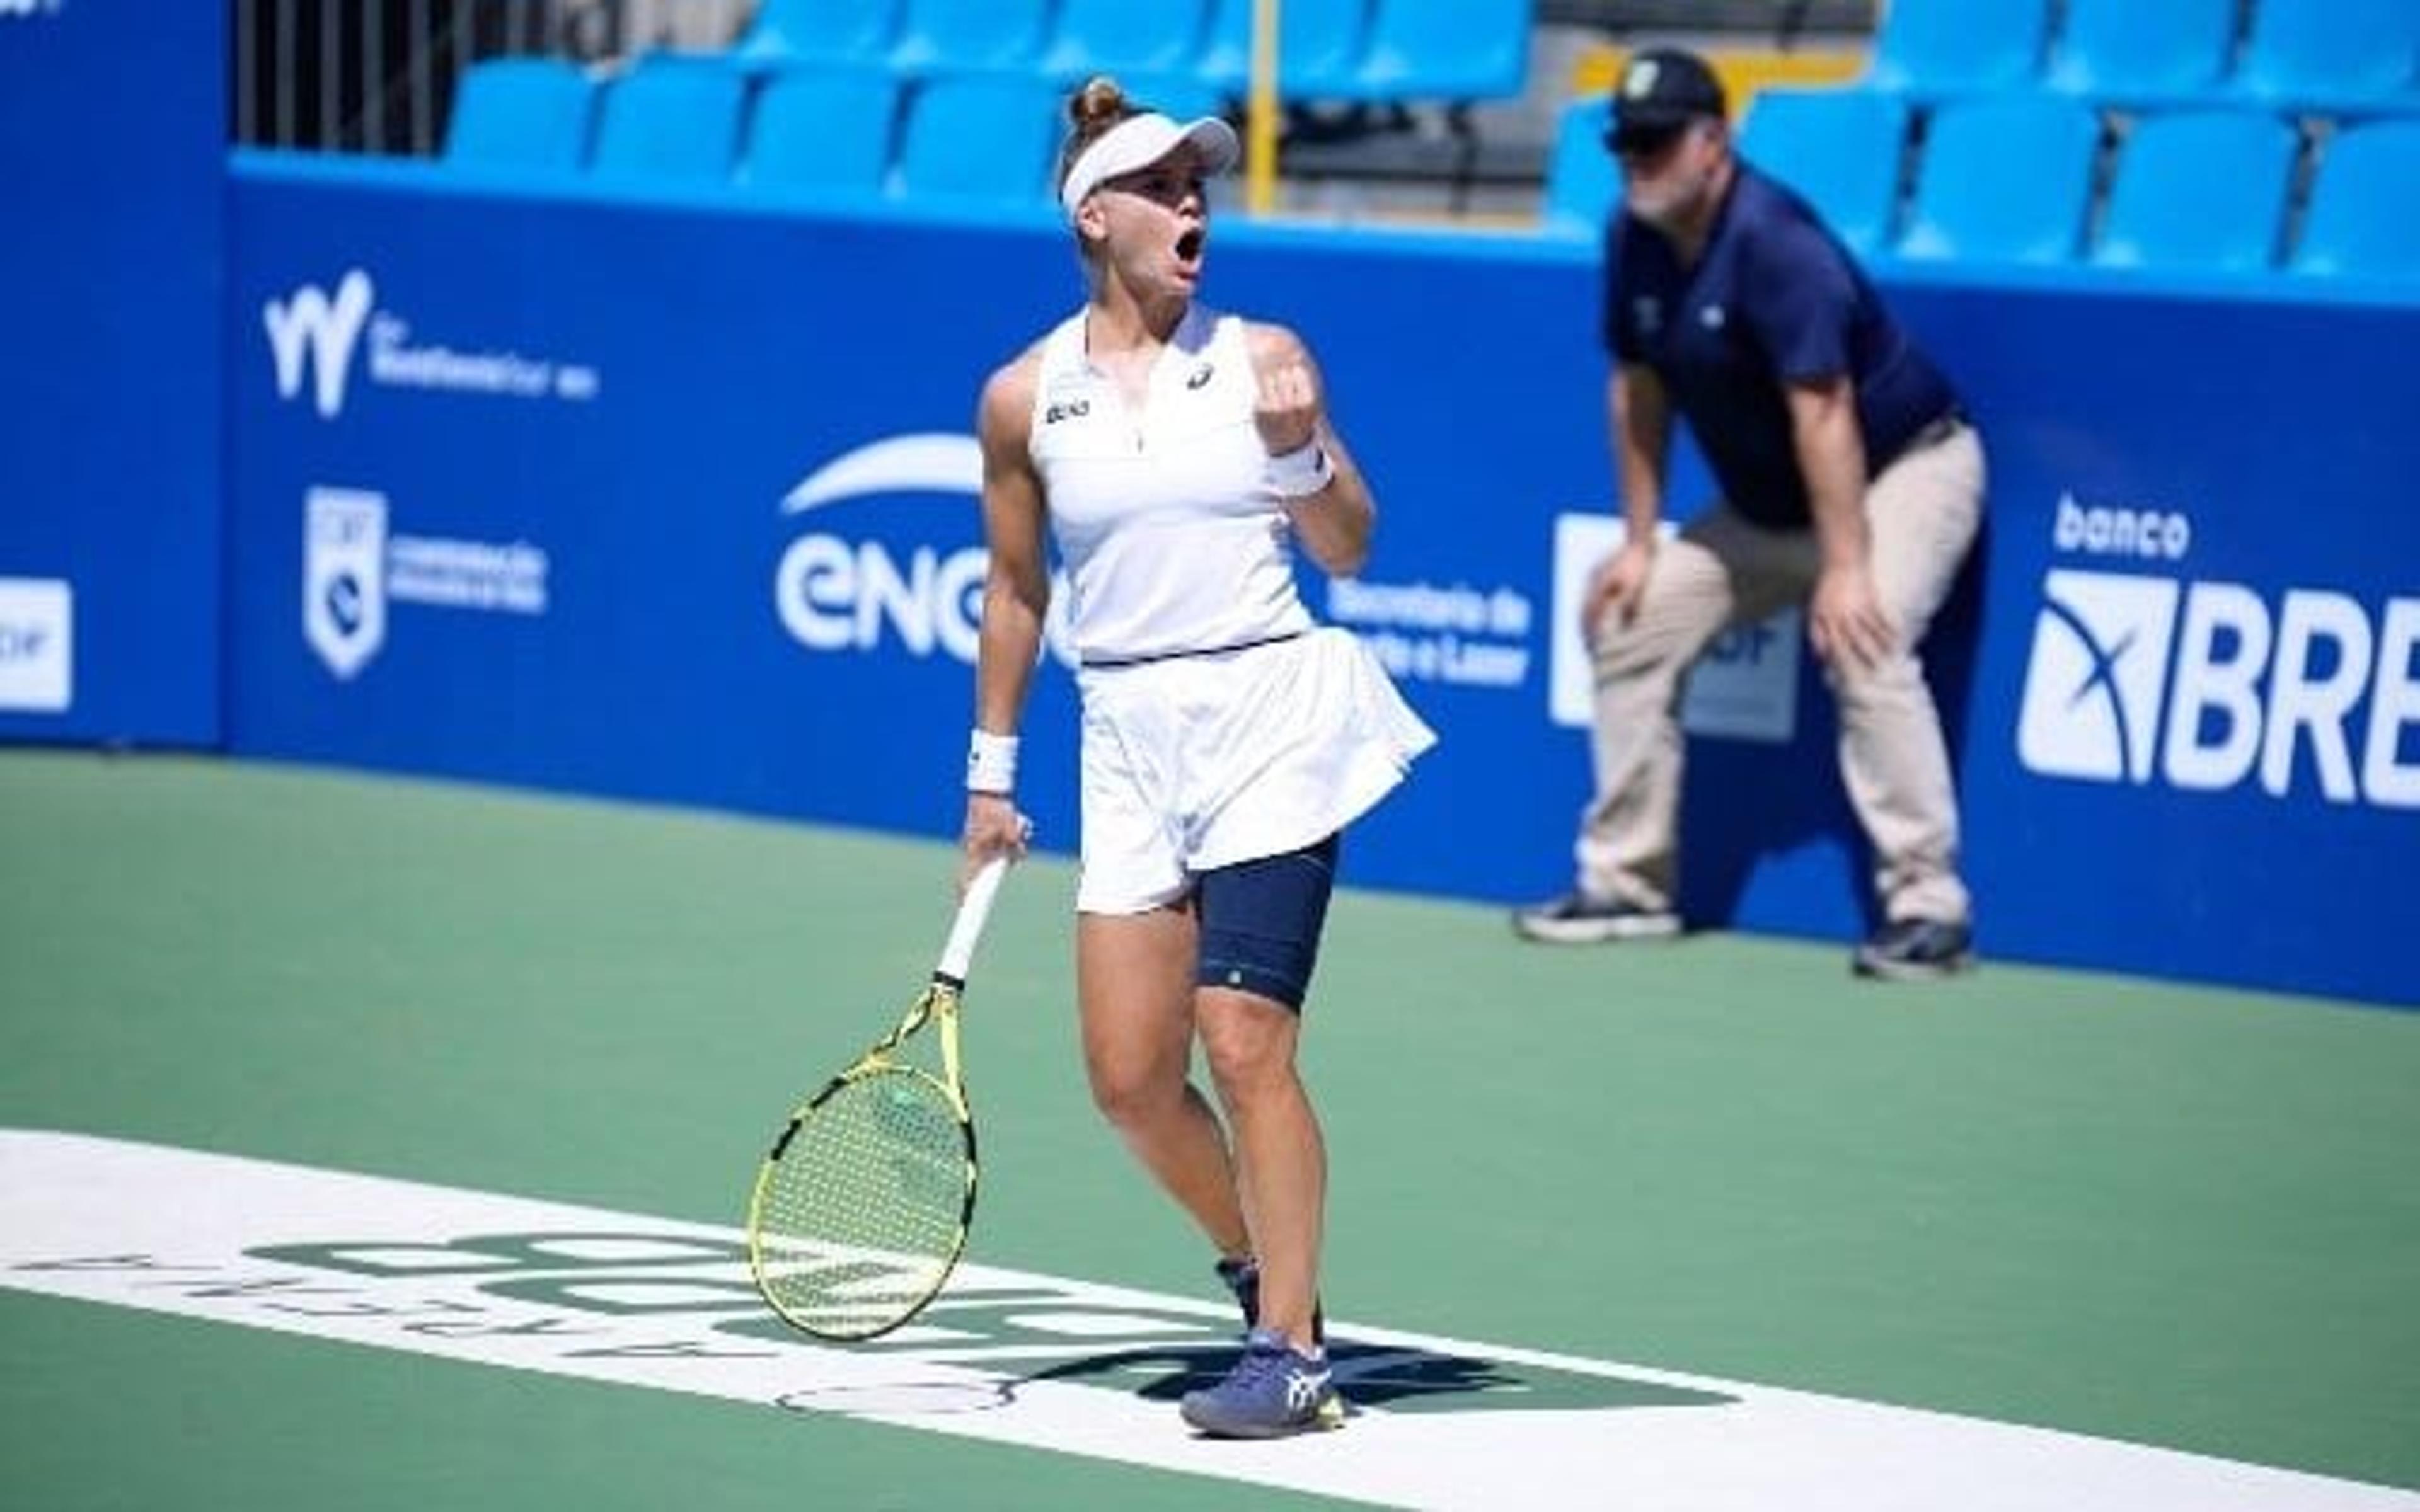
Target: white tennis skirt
<point>1198,762</point>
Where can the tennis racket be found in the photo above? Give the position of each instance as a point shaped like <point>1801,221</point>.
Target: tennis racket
<point>860,1209</point>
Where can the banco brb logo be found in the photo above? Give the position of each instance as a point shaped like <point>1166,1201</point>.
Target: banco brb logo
<point>2211,686</point>
<point>2093,694</point>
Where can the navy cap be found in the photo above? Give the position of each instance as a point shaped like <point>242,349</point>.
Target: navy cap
<point>1663,88</point>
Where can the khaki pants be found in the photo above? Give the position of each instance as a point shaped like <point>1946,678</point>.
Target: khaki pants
<point>1721,571</point>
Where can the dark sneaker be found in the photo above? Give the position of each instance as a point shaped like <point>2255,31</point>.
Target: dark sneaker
<point>1241,1276</point>
<point>1272,1392</point>
<point>1576,918</point>
<point>1916,950</point>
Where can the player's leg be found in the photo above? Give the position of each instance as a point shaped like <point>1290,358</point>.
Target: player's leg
<point>1134,976</point>
<point>1136,943</point>
<point>1260,925</point>
<point>1260,922</point>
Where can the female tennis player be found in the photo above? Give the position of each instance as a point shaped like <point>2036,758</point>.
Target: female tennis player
<point>1175,454</point>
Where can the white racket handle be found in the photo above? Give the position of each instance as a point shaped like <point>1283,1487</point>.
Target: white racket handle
<point>974,912</point>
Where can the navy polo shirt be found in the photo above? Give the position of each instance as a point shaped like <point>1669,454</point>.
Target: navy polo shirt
<point>1775,299</point>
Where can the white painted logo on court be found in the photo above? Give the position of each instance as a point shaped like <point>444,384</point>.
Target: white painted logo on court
<point>1016,1358</point>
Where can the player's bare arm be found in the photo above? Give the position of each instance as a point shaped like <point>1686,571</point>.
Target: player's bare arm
<point>1334,519</point>
<point>1016,591</point>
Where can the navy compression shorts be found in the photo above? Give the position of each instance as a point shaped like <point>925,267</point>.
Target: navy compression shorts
<point>1261,921</point>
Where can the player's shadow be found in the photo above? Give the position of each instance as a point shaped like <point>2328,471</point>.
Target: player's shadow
<point>1384,1376</point>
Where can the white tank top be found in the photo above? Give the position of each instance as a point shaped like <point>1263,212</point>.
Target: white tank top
<point>1172,539</point>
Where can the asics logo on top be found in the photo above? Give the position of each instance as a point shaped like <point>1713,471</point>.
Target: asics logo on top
<point>1305,1386</point>
<point>307,329</point>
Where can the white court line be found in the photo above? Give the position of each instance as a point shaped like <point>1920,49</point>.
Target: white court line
<point>1020,1358</point>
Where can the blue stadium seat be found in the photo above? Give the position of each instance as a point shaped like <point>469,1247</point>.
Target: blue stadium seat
<point>944,34</point>
<point>822,132</point>
<point>2360,221</point>
<point>1934,48</point>
<point>2332,55</point>
<point>2004,178</point>
<point>1319,46</point>
<point>1469,49</point>
<point>521,113</point>
<point>1840,148</point>
<point>671,118</point>
<point>820,31</point>
<point>979,136</point>
<point>1582,182</point>
<point>1125,38</point>
<point>2143,52</point>
<point>1183,96</point>
<point>2202,191</point>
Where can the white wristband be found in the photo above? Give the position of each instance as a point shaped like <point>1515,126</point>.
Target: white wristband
<point>991,763</point>
<point>1303,472</point>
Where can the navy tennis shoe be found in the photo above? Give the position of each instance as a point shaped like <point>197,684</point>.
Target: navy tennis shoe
<point>1272,1392</point>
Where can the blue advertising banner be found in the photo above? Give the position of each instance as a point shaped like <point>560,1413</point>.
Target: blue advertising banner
<point>677,501</point>
<point>112,165</point>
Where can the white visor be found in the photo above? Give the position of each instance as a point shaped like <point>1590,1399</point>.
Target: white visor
<point>1139,141</point>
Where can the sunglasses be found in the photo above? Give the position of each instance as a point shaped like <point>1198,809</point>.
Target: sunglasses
<point>1638,141</point>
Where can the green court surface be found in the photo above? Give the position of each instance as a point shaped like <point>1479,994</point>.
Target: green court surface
<point>2137,1212</point>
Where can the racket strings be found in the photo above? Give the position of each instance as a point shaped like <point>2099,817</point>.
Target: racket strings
<point>864,1215</point>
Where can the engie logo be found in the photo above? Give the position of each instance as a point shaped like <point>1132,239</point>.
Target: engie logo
<point>838,593</point>
<point>37,644</point>
<point>2205,685</point>
<point>308,330</point>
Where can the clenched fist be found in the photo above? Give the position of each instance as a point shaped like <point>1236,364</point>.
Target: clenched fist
<point>1287,406</point>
